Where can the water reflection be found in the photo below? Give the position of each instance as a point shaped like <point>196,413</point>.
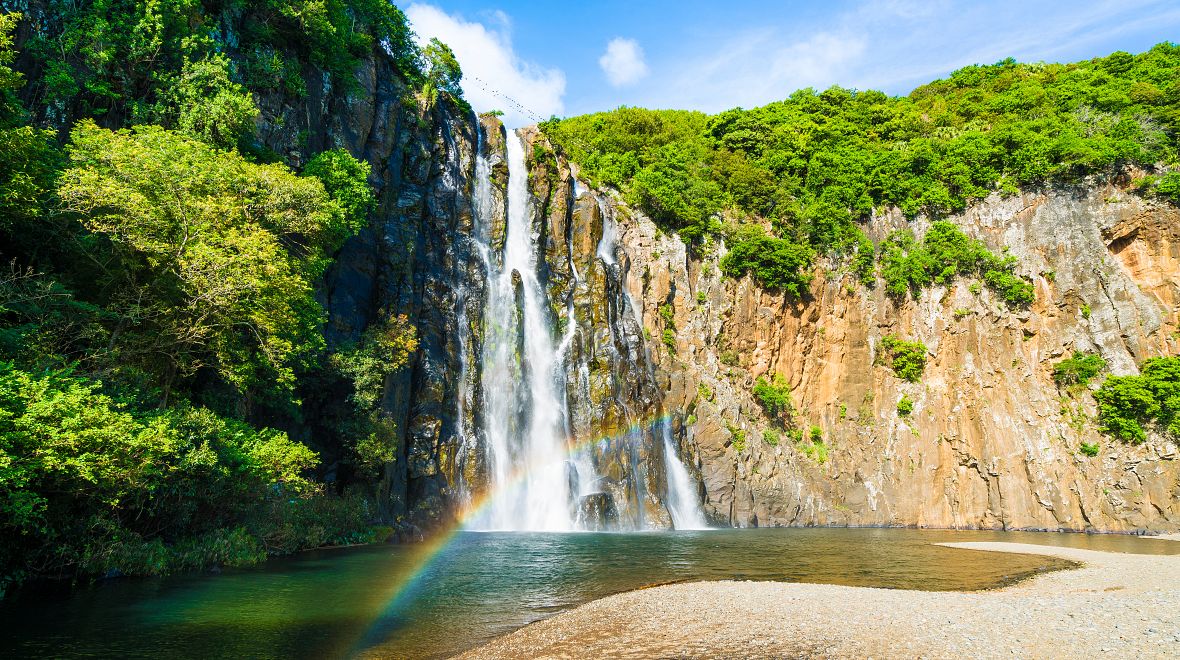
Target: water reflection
<point>339,603</point>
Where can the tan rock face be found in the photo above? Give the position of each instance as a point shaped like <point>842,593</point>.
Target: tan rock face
<point>992,441</point>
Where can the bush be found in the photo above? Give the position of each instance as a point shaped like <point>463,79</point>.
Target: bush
<point>1126,404</point>
<point>776,263</point>
<point>1079,369</point>
<point>944,254</point>
<point>907,358</point>
<point>905,406</point>
<point>704,391</point>
<point>775,396</point>
<point>738,436</point>
<point>1089,449</point>
<point>771,437</point>
<point>814,166</point>
<point>669,339</point>
<point>90,485</point>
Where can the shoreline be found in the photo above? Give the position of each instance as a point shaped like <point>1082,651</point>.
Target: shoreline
<point>1111,604</point>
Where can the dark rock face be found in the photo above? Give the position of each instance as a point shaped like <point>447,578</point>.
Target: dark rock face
<point>597,512</point>
<point>411,259</point>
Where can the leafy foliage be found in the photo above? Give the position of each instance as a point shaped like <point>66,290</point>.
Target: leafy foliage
<point>121,58</point>
<point>215,255</point>
<point>90,484</point>
<point>383,351</point>
<point>738,437</point>
<point>775,262</point>
<point>774,396</point>
<point>816,164</point>
<point>442,68</point>
<point>1078,369</point>
<point>1126,404</point>
<point>905,405</point>
<point>157,308</point>
<point>944,254</point>
<point>907,358</point>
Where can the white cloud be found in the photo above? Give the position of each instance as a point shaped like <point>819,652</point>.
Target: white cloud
<point>758,67</point>
<point>623,62</point>
<point>491,68</point>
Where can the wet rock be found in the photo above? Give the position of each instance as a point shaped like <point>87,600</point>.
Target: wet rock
<point>597,512</point>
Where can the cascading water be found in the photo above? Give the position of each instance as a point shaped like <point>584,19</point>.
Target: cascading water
<point>524,391</point>
<point>531,379</point>
<point>682,501</point>
<point>683,504</point>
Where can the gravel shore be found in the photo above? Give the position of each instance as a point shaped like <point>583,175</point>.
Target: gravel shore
<point>1116,605</point>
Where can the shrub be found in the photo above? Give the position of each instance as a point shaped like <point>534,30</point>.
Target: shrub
<point>669,339</point>
<point>770,437</point>
<point>738,437</point>
<point>1089,449</point>
<point>774,396</point>
<point>91,485</point>
<point>945,253</point>
<point>1080,368</point>
<point>905,406</point>
<point>776,263</point>
<point>816,165</point>
<point>907,358</point>
<point>1127,403</point>
<point>667,315</point>
<point>704,391</point>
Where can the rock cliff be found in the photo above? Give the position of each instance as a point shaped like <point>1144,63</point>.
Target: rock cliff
<point>992,441</point>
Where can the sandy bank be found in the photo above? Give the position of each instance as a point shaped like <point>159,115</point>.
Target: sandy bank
<point>1116,605</point>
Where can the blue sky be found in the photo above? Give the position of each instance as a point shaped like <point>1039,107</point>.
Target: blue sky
<point>572,57</point>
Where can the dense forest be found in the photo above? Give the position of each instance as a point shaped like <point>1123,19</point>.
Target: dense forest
<point>158,310</point>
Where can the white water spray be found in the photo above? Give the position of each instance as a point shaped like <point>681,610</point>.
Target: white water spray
<point>524,388</point>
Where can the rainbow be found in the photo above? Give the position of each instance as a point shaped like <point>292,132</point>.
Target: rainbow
<point>406,585</point>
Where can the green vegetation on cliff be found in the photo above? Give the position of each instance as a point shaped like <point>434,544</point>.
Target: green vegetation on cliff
<point>813,168</point>
<point>774,396</point>
<point>945,253</point>
<point>1128,404</point>
<point>907,358</point>
<point>1079,369</point>
<point>158,319</point>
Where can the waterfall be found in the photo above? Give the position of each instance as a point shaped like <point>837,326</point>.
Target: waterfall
<point>523,386</point>
<point>682,500</point>
<point>533,383</point>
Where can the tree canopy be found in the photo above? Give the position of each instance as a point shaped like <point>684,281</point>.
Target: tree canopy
<point>813,167</point>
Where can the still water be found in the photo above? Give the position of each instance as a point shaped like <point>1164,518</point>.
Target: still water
<point>422,601</point>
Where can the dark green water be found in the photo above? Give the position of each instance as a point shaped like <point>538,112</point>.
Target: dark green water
<point>374,601</point>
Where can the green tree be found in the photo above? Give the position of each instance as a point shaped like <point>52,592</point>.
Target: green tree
<point>218,255</point>
<point>1128,404</point>
<point>442,68</point>
<point>205,103</point>
<point>1080,368</point>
